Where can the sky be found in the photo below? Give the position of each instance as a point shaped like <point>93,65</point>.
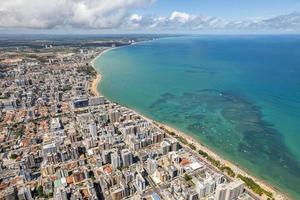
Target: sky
<point>229,9</point>
<point>150,16</point>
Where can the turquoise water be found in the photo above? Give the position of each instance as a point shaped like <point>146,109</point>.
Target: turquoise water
<point>239,95</point>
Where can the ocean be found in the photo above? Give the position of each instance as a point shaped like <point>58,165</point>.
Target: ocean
<point>239,95</point>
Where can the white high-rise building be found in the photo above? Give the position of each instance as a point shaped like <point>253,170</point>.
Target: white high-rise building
<point>95,101</point>
<point>151,166</point>
<point>230,191</point>
<point>200,189</point>
<point>115,160</point>
<point>93,130</point>
<point>106,156</point>
<point>165,147</point>
<point>24,194</point>
<point>221,192</point>
<point>128,175</point>
<point>235,189</point>
<point>206,187</point>
<point>127,158</point>
<point>114,116</point>
<point>140,182</point>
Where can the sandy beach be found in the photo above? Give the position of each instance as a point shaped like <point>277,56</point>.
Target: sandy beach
<point>276,193</point>
<point>94,85</point>
<point>97,79</point>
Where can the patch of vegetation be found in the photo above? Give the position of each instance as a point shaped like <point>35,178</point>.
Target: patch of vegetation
<point>172,133</point>
<point>89,70</point>
<point>217,164</point>
<point>118,132</point>
<point>202,153</point>
<point>182,140</point>
<point>66,88</point>
<point>192,146</point>
<point>187,177</point>
<point>120,168</point>
<point>228,170</point>
<point>40,191</point>
<point>13,156</point>
<point>254,186</point>
<point>20,131</point>
<point>213,161</point>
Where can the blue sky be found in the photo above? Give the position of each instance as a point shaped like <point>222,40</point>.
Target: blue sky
<point>151,16</point>
<point>229,9</point>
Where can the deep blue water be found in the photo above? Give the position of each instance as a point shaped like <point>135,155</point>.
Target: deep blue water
<point>239,95</point>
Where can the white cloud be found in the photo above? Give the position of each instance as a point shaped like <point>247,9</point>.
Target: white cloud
<point>133,22</point>
<point>182,21</point>
<point>96,14</point>
<point>136,17</point>
<point>117,15</point>
<point>181,17</point>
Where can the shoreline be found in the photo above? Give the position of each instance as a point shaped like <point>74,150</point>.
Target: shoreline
<point>277,194</point>
<point>94,85</point>
<point>97,79</point>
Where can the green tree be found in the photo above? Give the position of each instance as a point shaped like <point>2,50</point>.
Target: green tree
<point>187,177</point>
<point>40,191</point>
<point>13,156</point>
<point>254,186</point>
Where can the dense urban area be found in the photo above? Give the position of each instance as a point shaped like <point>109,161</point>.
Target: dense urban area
<point>60,141</point>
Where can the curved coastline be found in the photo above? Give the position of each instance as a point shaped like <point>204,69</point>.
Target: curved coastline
<point>97,79</point>
<point>277,193</point>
